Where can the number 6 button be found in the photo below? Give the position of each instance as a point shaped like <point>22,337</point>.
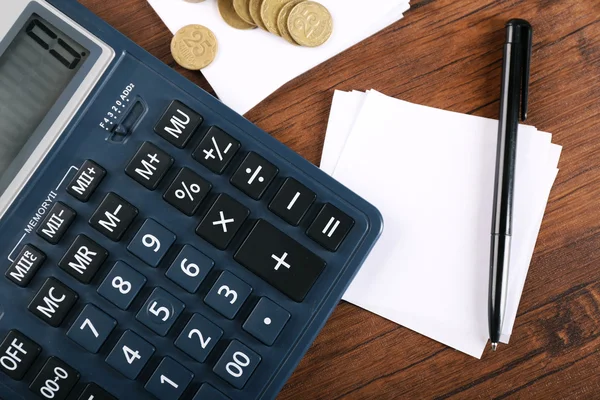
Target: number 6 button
<point>160,311</point>
<point>199,337</point>
<point>237,364</point>
<point>228,294</point>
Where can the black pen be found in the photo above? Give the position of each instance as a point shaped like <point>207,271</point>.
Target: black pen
<point>514,97</point>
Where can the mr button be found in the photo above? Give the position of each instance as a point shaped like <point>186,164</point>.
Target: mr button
<point>17,353</point>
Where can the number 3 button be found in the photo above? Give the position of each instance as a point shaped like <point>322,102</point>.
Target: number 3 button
<point>228,294</point>
<point>160,311</point>
<point>199,337</point>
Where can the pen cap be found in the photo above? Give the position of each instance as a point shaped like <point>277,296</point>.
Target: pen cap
<point>520,33</point>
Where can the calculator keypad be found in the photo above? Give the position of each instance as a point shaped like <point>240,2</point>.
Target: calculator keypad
<point>149,165</point>
<point>26,264</point>
<point>199,337</point>
<point>113,216</point>
<point>91,329</point>
<point>152,242</point>
<point>228,294</point>
<point>207,392</point>
<point>17,354</point>
<point>190,268</point>
<point>187,191</point>
<point>53,302</point>
<point>178,124</point>
<point>222,221</point>
<point>330,227</point>
<point>55,381</point>
<point>237,364</point>
<point>254,176</point>
<point>170,380</point>
<point>160,311</point>
<point>122,285</point>
<point>83,259</point>
<point>56,223</point>
<point>216,150</point>
<point>130,355</point>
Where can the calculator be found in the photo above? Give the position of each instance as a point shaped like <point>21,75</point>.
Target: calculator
<point>156,245</point>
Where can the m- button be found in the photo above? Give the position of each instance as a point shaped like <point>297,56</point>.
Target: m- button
<point>113,217</point>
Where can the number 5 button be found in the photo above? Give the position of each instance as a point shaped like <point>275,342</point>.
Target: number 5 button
<point>160,311</point>
<point>199,337</point>
<point>130,355</point>
<point>228,294</point>
<point>169,381</point>
<point>237,364</point>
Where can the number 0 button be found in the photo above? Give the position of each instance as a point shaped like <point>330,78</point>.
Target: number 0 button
<point>91,329</point>
<point>160,311</point>
<point>169,381</point>
<point>130,355</point>
<point>228,294</point>
<point>199,337</point>
<point>237,364</point>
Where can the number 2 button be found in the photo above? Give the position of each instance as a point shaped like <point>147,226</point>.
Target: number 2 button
<point>228,294</point>
<point>199,337</point>
<point>160,311</point>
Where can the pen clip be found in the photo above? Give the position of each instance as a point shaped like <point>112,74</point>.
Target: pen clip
<point>526,45</point>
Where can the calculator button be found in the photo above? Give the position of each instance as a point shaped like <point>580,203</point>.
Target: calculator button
<point>222,221</point>
<point>330,227</point>
<point>190,268</point>
<point>83,259</point>
<point>122,285</point>
<point>26,265</point>
<point>113,216</point>
<point>187,191</point>
<point>149,165</point>
<point>207,392</point>
<point>56,223</point>
<point>216,150</point>
<point>228,294</point>
<point>266,321</point>
<point>237,364</point>
<point>55,381</point>
<point>280,260</point>
<point>152,242</point>
<point>91,329</point>
<point>86,181</point>
<point>95,392</point>
<point>17,354</point>
<point>53,302</point>
<point>160,311</point>
<point>292,201</point>
<point>178,124</point>
<point>170,380</point>
<point>254,175</point>
<point>199,337</point>
<point>130,355</point>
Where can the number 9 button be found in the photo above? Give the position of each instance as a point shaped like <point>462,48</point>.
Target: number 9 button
<point>152,242</point>
<point>121,285</point>
<point>199,337</point>
<point>160,311</point>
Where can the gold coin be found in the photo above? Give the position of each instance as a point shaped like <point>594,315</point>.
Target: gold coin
<point>282,20</point>
<point>310,24</point>
<point>242,8</point>
<point>255,13</point>
<point>269,11</point>
<point>194,47</point>
<point>231,17</point>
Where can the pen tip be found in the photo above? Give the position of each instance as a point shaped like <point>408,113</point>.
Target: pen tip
<point>494,346</point>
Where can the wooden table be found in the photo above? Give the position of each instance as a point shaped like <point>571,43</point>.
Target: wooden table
<point>447,54</point>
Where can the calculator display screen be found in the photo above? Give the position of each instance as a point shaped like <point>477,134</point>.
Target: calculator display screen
<point>35,69</point>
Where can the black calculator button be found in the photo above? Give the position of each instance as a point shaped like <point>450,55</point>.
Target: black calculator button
<point>17,354</point>
<point>91,329</point>
<point>55,381</point>
<point>83,259</point>
<point>170,380</point>
<point>237,364</point>
<point>56,223</point>
<point>266,321</point>
<point>130,355</point>
<point>53,302</point>
<point>113,216</point>
<point>122,285</point>
<point>190,268</point>
<point>178,124</point>
<point>330,227</point>
<point>199,337</point>
<point>152,242</point>
<point>222,221</point>
<point>86,181</point>
<point>149,165</point>
<point>254,175</point>
<point>292,201</point>
<point>187,191</point>
<point>26,265</point>
<point>228,294</point>
<point>216,150</point>
<point>207,392</point>
<point>280,260</point>
<point>160,311</point>
<point>95,392</point>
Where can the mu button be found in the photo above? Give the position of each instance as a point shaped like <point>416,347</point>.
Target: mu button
<point>280,260</point>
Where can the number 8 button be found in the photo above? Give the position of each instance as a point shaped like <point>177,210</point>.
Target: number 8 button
<point>237,364</point>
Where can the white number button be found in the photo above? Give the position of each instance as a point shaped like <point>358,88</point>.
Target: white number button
<point>237,364</point>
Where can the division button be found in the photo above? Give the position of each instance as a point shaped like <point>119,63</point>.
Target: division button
<point>254,175</point>
<point>86,181</point>
<point>178,124</point>
<point>17,354</point>
<point>56,223</point>
<point>25,266</point>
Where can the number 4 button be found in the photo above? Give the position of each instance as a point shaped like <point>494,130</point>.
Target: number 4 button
<point>130,355</point>
<point>199,337</point>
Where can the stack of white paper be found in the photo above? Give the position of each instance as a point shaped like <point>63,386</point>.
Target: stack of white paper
<point>250,65</point>
<point>431,174</point>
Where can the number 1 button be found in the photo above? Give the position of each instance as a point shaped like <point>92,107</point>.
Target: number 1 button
<point>169,381</point>
<point>228,294</point>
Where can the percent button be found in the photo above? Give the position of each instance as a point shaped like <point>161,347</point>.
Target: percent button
<point>187,191</point>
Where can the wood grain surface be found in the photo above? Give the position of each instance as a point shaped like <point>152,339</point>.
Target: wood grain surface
<point>447,54</point>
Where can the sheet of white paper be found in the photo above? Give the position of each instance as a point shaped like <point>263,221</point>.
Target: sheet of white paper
<point>406,276</point>
<point>250,65</point>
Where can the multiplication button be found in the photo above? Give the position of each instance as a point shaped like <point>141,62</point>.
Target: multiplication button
<point>55,381</point>
<point>222,221</point>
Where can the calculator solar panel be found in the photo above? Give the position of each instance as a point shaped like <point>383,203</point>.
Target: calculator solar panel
<point>168,248</point>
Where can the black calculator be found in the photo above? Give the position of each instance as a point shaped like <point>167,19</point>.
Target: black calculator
<point>156,245</point>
